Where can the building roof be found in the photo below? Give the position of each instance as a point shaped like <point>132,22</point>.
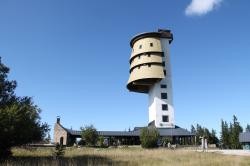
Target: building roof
<point>162,33</point>
<point>177,131</point>
<point>244,137</point>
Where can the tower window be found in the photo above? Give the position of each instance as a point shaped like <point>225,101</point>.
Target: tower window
<point>151,44</point>
<point>164,71</point>
<point>140,46</point>
<point>163,86</point>
<point>163,64</point>
<point>149,65</point>
<point>165,118</point>
<point>164,95</point>
<point>164,107</point>
<point>149,55</point>
<point>139,57</point>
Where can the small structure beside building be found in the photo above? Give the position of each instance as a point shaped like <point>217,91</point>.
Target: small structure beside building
<point>244,139</point>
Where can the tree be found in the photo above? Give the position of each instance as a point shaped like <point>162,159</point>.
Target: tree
<point>225,140</point>
<point>230,135</point>
<point>149,137</point>
<point>90,135</point>
<point>214,139</point>
<point>7,88</point>
<point>59,150</point>
<point>248,128</point>
<point>19,117</point>
<point>47,139</point>
<point>101,141</point>
<point>204,132</point>
<point>199,133</point>
<point>193,130</point>
<point>236,130</point>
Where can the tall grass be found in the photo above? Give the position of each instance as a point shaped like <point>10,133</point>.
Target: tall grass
<point>123,156</point>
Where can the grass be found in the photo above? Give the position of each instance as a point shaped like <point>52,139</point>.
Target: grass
<point>123,156</point>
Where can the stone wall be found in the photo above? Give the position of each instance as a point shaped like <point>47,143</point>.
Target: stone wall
<point>60,132</point>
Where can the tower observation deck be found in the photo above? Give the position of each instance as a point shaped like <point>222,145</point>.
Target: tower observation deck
<point>150,73</point>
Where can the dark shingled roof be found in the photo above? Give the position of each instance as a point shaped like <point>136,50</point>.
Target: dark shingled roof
<point>244,137</point>
<point>177,131</point>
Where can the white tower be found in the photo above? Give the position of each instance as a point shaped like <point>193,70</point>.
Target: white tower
<point>150,72</point>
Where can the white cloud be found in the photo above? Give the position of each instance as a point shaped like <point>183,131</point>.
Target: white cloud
<point>201,7</point>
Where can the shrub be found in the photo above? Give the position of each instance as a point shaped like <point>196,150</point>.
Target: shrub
<point>101,141</point>
<point>90,135</point>
<point>149,137</point>
<point>59,150</point>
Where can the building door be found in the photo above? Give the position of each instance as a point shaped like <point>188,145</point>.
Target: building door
<point>61,141</point>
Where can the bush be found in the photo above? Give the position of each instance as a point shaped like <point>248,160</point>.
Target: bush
<point>59,150</point>
<point>90,135</point>
<point>101,142</point>
<point>149,137</point>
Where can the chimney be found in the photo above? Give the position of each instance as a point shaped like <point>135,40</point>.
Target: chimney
<point>58,119</point>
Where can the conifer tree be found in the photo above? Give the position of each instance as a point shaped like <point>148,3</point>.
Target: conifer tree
<point>236,130</point>
<point>59,150</point>
<point>248,128</point>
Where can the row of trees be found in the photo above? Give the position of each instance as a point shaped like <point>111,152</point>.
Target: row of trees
<point>229,136</point>
<point>20,121</point>
<point>200,131</point>
<point>230,133</point>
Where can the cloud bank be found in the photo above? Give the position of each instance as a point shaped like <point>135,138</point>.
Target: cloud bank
<point>201,7</point>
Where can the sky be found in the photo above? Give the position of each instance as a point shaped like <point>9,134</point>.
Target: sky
<point>72,57</point>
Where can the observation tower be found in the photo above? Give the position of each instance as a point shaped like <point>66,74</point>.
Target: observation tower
<point>150,73</point>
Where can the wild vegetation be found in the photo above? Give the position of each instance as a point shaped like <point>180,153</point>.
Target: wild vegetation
<point>149,137</point>
<point>200,131</point>
<point>19,117</point>
<point>123,156</point>
<point>230,134</point>
<point>89,135</point>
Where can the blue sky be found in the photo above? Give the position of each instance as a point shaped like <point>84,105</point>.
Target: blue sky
<point>72,58</point>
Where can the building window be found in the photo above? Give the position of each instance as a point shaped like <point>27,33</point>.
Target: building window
<point>163,86</point>
<point>149,55</point>
<point>149,65</point>
<point>164,107</point>
<point>164,72</point>
<point>164,95</point>
<point>165,118</point>
<point>151,44</point>
<point>139,57</point>
<point>163,64</point>
<point>140,46</point>
<point>139,67</point>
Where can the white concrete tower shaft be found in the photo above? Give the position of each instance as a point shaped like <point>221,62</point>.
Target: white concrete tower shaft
<point>161,110</point>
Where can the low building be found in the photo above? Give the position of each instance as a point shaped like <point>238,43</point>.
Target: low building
<point>244,139</point>
<point>67,136</point>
